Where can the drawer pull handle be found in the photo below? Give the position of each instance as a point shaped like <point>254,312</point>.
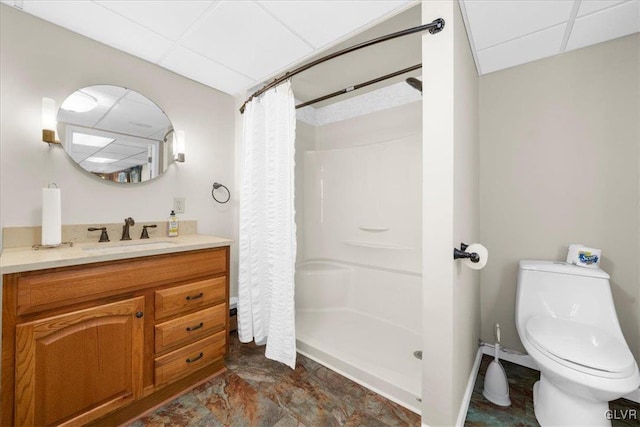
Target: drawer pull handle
<point>198,357</point>
<point>194,328</point>
<point>191,298</point>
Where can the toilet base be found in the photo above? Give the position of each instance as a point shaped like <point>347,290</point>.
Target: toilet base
<point>554,407</point>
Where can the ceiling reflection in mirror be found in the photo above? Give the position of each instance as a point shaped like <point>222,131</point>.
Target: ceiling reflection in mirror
<point>116,133</point>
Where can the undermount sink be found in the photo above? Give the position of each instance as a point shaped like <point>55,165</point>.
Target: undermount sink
<point>107,248</point>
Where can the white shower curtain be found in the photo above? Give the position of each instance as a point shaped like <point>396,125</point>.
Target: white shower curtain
<point>267,250</point>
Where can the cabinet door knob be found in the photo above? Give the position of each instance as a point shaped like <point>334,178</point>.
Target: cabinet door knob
<point>139,314</point>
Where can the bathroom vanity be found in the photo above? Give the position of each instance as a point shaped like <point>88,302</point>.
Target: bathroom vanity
<point>100,334</point>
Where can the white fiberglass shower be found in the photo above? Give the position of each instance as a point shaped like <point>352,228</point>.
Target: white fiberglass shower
<point>358,279</point>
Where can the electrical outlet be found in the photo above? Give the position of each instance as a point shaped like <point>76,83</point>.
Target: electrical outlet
<point>178,204</point>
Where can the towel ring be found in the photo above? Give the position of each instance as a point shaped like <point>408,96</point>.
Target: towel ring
<point>217,185</point>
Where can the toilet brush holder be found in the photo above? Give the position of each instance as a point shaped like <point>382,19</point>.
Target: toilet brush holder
<point>496,385</point>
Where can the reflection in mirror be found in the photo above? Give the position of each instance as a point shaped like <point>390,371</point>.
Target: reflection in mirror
<point>115,133</point>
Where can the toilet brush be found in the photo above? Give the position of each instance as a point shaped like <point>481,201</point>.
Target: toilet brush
<point>496,386</point>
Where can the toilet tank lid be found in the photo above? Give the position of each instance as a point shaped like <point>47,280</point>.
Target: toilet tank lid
<point>562,268</point>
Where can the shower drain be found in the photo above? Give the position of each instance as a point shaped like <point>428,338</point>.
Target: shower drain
<point>417,354</point>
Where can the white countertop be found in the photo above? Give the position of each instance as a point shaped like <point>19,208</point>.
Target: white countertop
<point>18,259</point>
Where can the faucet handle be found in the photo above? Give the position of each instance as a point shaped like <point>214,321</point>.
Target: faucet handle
<point>145,233</point>
<point>104,237</point>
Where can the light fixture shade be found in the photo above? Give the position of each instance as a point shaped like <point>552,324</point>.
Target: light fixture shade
<point>48,120</point>
<point>179,145</point>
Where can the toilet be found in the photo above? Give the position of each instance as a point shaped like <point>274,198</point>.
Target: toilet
<point>567,322</point>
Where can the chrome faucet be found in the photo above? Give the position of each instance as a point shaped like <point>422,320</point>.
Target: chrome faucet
<point>128,222</point>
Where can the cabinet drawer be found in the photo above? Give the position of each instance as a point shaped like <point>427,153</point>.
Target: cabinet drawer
<point>189,328</point>
<point>189,359</point>
<point>42,290</point>
<point>181,299</point>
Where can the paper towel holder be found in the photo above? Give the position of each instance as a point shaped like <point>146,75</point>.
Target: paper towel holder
<point>461,253</point>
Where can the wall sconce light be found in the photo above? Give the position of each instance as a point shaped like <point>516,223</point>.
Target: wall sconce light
<point>49,121</point>
<point>178,146</point>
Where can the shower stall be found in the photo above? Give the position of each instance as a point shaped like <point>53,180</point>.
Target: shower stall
<point>358,277</point>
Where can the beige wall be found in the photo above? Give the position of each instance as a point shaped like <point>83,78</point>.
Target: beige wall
<point>558,165</point>
<point>466,209</point>
<point>450,214</point>
<point>38,60</point>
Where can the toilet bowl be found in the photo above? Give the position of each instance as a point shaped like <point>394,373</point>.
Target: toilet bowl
<point>567,322</point>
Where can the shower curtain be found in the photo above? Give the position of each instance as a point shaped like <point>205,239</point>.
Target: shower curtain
<point>267,241</point>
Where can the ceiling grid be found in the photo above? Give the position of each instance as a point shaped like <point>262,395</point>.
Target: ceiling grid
<point>234,46</point>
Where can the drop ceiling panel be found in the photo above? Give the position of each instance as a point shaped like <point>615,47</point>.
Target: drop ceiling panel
<point>206,71</point>
<point>246,39</point>
<point>169,18</point>
<point>148,120</point>
<point>309,19</point>
<point>594,28</point>
<point>590,6</point>
<point>233,46</point>
<point>94,21</point>
<point>494,22</point>
<point>524,49</point>
<point>121,148</point>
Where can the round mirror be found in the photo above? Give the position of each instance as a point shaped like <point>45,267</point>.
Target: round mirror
<point>116,133</point>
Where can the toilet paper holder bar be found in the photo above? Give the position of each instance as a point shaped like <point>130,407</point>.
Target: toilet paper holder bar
<point>461,253</point>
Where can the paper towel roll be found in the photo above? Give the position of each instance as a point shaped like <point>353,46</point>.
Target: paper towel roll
<point>51,217</point>
<point>482,252</point>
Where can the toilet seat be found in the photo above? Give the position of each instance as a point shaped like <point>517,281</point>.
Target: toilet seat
<point>582,347</point>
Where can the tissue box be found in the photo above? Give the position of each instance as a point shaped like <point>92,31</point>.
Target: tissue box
<point>584,256</point>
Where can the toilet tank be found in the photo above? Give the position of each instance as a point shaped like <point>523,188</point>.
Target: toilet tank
<point>564,291</point>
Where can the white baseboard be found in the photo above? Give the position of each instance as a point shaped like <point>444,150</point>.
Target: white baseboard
<point>517,358</point>
<point>466,399</point>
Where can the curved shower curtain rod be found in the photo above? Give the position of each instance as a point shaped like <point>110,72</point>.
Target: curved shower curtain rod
<point>434,27</point>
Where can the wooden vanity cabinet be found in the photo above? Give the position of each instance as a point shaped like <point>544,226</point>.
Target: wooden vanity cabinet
<point>80,365</point>
<point>124,343</point>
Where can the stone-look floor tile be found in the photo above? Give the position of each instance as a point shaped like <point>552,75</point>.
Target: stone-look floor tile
<point>233,402</point>
<point>256,391</point>
<point>359,419</point>
<point>288,421</point>
<point>389,412</point>
<point>306,401</point>
<point>186,410</point>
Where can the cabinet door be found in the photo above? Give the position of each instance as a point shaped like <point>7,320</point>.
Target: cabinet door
<point>76,367</point>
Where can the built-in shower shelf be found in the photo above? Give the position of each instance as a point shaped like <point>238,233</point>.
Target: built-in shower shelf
<point>376,245</point>
<point>374,229</point>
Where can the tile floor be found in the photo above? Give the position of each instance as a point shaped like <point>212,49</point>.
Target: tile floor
<point>255,391</point>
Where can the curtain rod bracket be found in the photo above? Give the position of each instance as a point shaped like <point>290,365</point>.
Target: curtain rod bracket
<point>439,26</point>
